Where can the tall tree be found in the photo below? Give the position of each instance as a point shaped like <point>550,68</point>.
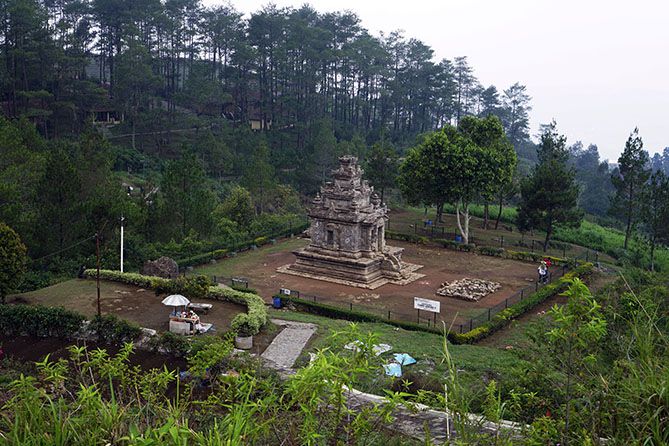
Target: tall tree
<point>488,134</point>
<point>381,167</point>
<point>655,212</point>
<point>516,108</point>
<point>188,201</point>
<point>632,173</point>
<point>449,166</point>
<point>12,260</point>
<point>549,196</point>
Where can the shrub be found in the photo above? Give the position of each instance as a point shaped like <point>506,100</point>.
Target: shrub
<point>457,246</point>
<point>243,289</point>
<point>413,238</point>
<point>16,320</point>
<point>202,258</point>
<point>254,319</point>
<point>139,280</point>
<point>260,241</point>
<point>112,330</point>
<point>171,343</point>
<point>490,251</point>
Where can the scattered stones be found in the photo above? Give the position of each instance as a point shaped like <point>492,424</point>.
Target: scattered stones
<point>162,267</point>
<point>468,289</point>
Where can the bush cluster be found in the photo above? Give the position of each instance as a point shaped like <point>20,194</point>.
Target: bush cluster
<point>254,319</point>
<point>505,316</point>
<point>413,238</point>
<point>17,320</point>
<point>112,330</point>
<point>228,250</point>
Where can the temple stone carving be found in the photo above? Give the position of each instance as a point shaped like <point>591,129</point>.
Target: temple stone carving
<point>348,235</point>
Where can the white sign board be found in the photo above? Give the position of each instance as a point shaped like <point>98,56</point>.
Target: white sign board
<point>285,291</point>
<point>426,304</point>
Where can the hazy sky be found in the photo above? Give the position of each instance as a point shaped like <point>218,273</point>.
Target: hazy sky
<point>598,67</point>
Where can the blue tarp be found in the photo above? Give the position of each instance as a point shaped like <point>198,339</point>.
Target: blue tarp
<point>393,369</point>
<point>404,359</point>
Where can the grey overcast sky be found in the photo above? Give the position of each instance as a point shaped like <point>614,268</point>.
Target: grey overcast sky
<point>598,67</point>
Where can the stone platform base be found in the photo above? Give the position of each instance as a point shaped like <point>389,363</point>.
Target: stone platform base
<point>409,269</point>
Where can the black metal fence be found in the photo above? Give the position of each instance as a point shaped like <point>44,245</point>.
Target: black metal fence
<point>429,319</point>
<point>432,319</point>
<point>513,241</point>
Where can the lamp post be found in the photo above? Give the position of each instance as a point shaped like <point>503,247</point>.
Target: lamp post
<point>122,222</point>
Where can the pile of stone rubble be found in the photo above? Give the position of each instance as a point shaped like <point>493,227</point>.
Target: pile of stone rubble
<point>468,289</point>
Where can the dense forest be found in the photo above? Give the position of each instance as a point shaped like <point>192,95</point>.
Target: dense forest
<point>203,127</point>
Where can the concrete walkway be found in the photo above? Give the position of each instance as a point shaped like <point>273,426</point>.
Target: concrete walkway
<point>288,345</point>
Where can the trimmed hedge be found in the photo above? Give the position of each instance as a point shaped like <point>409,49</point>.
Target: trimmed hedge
<point>55,322</point>
<point>198,287</point>
<point>112,330</point>
<point>229,249</point>
<point>504,317</point>
<point>335,312</point>
<point>254,319</point>
<point>413,238</point>
<point>17,320</point>
<point>483,250</point>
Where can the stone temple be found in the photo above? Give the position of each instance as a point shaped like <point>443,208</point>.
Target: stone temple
<point>348,235</point>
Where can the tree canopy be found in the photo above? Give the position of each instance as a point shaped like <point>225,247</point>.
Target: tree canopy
<point>549,196</point>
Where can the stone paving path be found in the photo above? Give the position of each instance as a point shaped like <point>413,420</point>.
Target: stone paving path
<point>287,346</point>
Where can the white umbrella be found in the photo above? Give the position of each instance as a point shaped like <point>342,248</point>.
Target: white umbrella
<point>176,300</point>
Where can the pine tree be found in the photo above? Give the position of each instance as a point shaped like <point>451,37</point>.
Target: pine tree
<point>549,196</point>
<point>632,174</point>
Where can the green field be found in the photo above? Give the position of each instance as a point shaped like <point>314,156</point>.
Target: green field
<point>473,362</point>
<point>231,266</point>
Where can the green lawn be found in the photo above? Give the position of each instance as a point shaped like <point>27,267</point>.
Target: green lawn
<point>473,361</point>
<point>231,266</point>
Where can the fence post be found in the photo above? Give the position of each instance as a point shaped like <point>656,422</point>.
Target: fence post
<point>460,328</point>
<point>596,256</point>
<point>587,255</point>
<point>214,279</point>
<point>314,299</point>
<point>388,314</point>
<point>532,245</point>
<point>506,303</point>
<point>471,324</point>
<point>536,286</point>
<point>350,306</point>
<point>415,228</point>
<point>488,314</point>
<point>522,294</point>
<point>564,250</point>
<point>501,244</point>
<point>417,316</point>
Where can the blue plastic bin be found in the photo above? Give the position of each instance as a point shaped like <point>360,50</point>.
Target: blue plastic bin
<point>276,302</point>
<point>458,238</point>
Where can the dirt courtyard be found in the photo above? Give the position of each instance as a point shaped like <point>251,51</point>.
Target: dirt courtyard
<point>125,301</point>
<point>439,265</point>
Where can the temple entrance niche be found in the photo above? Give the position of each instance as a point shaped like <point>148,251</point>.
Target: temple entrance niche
<point>348,235</point>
